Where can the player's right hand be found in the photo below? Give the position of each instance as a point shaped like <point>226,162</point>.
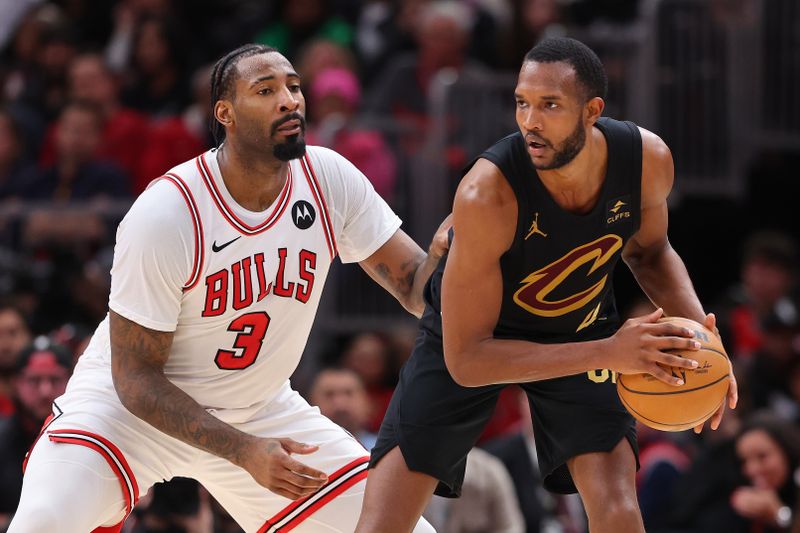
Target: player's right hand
<point>642,344</point>
<point>270,463</point>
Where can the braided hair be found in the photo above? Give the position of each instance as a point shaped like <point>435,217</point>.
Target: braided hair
<point>222,78</point>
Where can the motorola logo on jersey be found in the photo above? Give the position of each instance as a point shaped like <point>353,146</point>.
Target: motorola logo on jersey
<point>537,286</point>
<point>303,214</point>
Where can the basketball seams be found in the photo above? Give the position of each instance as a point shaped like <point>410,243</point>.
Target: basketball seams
<point>680,391</point>
<point>666,426</point>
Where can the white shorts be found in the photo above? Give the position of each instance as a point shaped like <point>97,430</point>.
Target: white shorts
<point>140,455</point>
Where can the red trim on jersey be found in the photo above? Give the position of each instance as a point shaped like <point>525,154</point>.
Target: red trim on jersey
<point>279,206</point>
<point>112,455</point>
<point>199,242</point>
<point>320,498</point>
<point>47,422</point>
<point>319,199</point>
<point>111,529</point>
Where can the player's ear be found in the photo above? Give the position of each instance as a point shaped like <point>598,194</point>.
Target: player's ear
<point>594,109</point>
<point>223,112</point>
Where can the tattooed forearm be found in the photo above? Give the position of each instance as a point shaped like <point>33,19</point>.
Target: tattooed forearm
<point>138,356</point>
<point>406,279</point>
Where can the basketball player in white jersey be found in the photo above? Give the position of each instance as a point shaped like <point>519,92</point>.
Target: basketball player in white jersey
<point>218,270</point>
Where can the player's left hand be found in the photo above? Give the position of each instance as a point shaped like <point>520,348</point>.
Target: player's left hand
<point>441,243</point>
<point>710,323</point>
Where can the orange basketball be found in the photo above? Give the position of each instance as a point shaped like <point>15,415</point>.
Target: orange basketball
<point>671,408</point>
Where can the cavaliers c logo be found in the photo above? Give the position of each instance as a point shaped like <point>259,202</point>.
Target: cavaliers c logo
<point>532,296</point>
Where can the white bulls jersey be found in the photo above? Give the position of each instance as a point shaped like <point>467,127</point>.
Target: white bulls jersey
<point>239,289</point>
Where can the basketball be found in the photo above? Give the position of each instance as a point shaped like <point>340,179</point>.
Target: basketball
<point>670,408</point>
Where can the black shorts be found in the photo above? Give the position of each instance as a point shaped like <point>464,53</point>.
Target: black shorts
<point>435,421</point>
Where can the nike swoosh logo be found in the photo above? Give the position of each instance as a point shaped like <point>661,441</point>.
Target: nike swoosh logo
<point>215,248</point>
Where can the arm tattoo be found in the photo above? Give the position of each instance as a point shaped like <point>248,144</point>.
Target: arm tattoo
<point>400,283</point>
<point>138,356</point>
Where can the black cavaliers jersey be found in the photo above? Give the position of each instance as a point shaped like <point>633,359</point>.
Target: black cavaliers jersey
<point>557,274</point>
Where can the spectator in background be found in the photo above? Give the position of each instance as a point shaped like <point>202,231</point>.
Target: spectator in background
<point>319,55</point>
<point>41,373</point>
<point>769,451</point>
<point>767,379</point>
<point>77,173</point>
<point>173,140</point>
<point>442,35</point>
<point>12,160</point>
<point>159,85</point>
<point>486,505</point>
<point>43,47</point>
<point>402,90</point>
<point>14,336</point>
<point>340,395</point>
<point>369,355</point>
<point>124,132</point>
<point>299,21</point>
<point>334,100</point>
<point>768,276</point>
<point>532,21</point>
<point>663,459</point>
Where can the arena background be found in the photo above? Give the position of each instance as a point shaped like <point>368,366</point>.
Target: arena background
<point>97,97</point>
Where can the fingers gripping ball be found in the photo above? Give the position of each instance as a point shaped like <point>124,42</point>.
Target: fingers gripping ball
<point>670,408</point>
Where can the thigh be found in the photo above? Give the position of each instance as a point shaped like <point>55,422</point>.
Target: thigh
<point>576,415</point>
<point>68,489</point>
<point>433,420</point>
<point>335,507</point>
<point>601,475</point>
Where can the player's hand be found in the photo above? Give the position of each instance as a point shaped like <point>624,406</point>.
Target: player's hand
<point>756,503</point>
<point>733,390</point>
<point>642,344</point>
<point>270,463</point>
<point>441,243</point>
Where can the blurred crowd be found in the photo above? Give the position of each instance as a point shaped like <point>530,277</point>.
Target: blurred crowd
<point>99,97</point>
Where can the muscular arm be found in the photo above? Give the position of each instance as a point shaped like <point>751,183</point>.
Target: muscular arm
<point>485,217</point>
<point>402,268</point>
<point>656,266</point>
<point>138,356</point>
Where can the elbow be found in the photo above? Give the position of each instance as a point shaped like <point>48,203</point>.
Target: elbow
<point>415,306</point>
<point>458,370</point>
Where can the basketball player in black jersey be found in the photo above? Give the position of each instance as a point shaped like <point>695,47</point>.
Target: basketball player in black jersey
<point>540,220</point>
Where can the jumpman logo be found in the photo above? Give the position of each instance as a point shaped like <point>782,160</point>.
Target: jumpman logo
<point>534,229</point>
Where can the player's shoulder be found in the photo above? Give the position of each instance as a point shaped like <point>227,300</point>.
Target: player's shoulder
<point>322,155</point>
<point>165,203</point>
<point>654,148</point>
<point>485,186</point>
<point>333,172</point>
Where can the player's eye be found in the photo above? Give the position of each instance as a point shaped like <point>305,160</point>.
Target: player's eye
<point>551,105</point>
<point>521,103</point>
<point>294,88</point>
<point>265,91</point>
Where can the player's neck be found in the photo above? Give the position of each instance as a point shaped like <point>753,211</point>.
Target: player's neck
<point>254,182</point>
<point>576,186</point>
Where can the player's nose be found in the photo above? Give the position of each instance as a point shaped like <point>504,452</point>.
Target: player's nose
<point>289,101</point>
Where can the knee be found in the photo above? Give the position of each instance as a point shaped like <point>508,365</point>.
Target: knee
<point>621,509</point>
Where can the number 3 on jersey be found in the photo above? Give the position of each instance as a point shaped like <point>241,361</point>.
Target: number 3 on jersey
<point>251,329</point>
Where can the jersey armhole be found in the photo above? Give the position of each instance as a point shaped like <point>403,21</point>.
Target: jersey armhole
<point>197,225</point>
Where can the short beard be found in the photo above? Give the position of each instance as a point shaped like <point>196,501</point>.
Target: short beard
<point>293,148</point>
<point>570,148</point>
